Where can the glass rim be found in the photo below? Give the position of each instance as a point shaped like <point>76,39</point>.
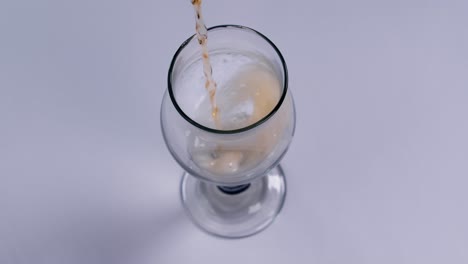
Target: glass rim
<point>239,130</point>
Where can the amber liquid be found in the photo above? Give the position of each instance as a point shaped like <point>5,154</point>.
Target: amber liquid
<point>248,96</point>
<point>210,84</point>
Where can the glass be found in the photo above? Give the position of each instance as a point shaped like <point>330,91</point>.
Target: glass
<point>232,185</point>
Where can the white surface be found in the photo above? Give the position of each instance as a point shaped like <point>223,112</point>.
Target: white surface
<point>377,172</point>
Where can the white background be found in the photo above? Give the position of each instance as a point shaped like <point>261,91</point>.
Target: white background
<point>377,171</point>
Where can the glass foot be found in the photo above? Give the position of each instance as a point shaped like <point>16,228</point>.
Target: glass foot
<point>234,212</point>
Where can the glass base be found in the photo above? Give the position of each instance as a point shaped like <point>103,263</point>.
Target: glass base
<point>223,212</point>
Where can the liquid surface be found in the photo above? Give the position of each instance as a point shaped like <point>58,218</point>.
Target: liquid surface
<point>245,96</point>
<point>244,99</point>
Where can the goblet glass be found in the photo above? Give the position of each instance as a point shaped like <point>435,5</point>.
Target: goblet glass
<point>233,185</point>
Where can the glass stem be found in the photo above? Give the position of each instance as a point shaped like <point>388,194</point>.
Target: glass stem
<point>233,190</point>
